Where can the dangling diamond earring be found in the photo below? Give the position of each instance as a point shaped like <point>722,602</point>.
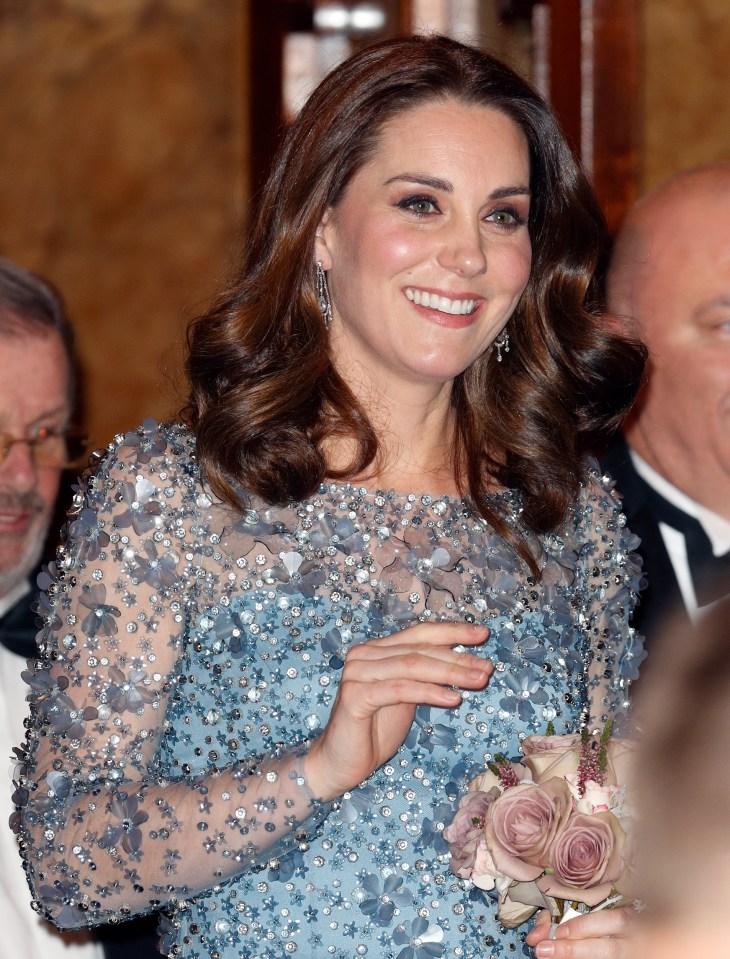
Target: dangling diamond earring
<point>323,295</point>
<point>502,343</point>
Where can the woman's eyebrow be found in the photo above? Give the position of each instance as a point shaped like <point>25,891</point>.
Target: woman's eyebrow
<point>436,183</point>
<point>505,191</point>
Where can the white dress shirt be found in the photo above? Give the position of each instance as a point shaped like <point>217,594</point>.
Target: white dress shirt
<point>716,527</point>
<point>23,932</point>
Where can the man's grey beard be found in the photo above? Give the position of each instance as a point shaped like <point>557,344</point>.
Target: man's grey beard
<point>34,504</point>
<point>10,578</point>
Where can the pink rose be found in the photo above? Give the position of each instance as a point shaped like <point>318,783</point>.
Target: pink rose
<point>548,756</point>
<point>464,831</point>
<point>522,825</point>
<point>586,859</point>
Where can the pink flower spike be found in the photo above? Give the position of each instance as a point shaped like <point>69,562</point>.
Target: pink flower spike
<point>590,767</point>
<point>505,772</point>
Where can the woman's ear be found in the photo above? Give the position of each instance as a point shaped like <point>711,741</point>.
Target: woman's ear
<point>322,241</point>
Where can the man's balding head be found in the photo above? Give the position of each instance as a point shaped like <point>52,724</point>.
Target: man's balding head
<point>669,281</point>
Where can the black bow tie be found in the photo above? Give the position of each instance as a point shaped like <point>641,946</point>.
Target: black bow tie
<point>710,573</point>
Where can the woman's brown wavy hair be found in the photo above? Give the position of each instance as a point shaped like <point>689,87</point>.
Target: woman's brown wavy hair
<point>264,392</point>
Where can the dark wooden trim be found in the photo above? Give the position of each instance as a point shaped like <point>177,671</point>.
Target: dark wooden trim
<point>266,33</point>
<point>405,17</point>
<point>269,22</point>
<point>616,70</point>
<point>565,67</point>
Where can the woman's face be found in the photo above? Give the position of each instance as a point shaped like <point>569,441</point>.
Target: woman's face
<point>428,250</point>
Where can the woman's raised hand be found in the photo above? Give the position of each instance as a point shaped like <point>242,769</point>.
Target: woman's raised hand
<point>382,683</point>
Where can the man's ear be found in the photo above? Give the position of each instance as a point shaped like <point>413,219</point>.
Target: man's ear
<point>322,240</point>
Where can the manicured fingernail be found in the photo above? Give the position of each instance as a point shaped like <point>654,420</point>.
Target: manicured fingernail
<point>545,950</point>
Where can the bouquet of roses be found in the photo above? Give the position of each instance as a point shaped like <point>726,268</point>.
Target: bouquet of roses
<point>550,830</point>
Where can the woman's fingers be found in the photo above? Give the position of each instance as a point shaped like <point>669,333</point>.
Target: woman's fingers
<point>605,934</point>
<point>438,634</point>
<point>424,652</point>
<point>593,925</point>
<point>585,949</point>
<point>371,697</point>
<point>541,929</point>
<point>453,669</point>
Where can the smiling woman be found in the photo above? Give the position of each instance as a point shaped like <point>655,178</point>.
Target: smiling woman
<point>267,677</point>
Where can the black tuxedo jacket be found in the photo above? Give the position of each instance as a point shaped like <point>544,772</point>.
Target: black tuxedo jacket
<point>662,595</point>
<point>137,938</point>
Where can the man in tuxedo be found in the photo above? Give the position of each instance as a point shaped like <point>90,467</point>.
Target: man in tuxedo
<point>36,406</point>
<point>669,282</point>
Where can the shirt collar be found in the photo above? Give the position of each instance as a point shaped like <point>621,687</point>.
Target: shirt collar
<point>716,527</point>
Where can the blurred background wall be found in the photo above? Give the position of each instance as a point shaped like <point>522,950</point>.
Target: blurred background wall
<point>685,78</point>
<point>126,161</point>
<point>123,177</point>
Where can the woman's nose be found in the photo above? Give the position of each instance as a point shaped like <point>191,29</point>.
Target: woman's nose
<point>463,250</point>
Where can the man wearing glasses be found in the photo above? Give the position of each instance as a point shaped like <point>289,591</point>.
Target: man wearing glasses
<point>36,400</point>
<point>36,443</point>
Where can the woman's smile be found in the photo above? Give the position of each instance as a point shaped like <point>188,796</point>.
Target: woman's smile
<point>453,306</point>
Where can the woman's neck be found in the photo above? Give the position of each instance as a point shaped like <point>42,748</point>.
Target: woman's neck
<point>415,430</point>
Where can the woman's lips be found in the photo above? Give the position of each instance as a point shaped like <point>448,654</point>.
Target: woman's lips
<point>432,299</point>
<point>454,312</point>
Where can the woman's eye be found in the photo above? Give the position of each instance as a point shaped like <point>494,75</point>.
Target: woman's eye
<point>506,218</point>
<point>420,205</point>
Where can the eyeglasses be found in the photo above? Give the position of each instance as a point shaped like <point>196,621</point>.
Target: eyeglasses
<point>52,448</point>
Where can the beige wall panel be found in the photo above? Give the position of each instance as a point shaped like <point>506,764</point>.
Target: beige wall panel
<point>686,104</point>
<point>122,177</point>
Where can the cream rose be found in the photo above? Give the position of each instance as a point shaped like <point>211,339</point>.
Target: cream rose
<point>595,798</point>
<point>489,780</point>
<point>513,914</point>
<point>521,901</point>
<point>548,756</point>
<point>485,874</point>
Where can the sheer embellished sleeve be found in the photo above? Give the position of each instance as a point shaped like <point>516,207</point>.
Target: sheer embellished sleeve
<point>610,579</point>
<point>105,831</point>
